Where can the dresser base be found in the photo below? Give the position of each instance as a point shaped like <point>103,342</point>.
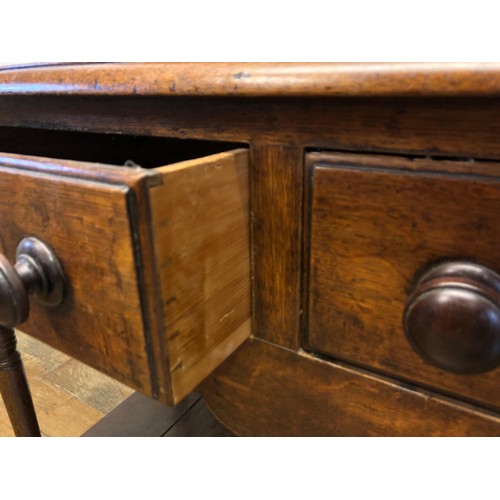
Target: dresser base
<point>264,390</point>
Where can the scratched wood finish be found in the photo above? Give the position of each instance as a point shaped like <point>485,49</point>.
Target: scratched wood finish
<point>147,255</point>
<point>376,224</point>
<point>86,221</point>
<point>461,127</point>
<point>276,254</point>
<point>254,79</point>
<point>265,390</point>
<point>276,175</point>
<point>435,112</point>
<point>200,216</point>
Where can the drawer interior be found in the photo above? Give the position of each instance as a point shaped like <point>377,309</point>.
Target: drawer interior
<point>114,149</point>
<point>157,261</point>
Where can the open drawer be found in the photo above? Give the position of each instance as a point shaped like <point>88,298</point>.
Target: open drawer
<point>157,262</point>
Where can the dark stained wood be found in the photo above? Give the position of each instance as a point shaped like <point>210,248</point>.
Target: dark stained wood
<point>452,318</point>
<point>149,303</point>
<point>276,205</point>
<point>140,416</point>
<point>376,225</point>
<point>461,127</point>
<point>199,421</point>
<point>83,213</point>
<point>254,79</point>
<point>282,112</point>
<point>14,387</point>
<point>264,390</point>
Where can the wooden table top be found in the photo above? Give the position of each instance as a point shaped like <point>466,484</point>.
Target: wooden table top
<point>253,79</point>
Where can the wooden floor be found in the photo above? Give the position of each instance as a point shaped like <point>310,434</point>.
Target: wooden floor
<point>69,397</point>
<point>72,399</point>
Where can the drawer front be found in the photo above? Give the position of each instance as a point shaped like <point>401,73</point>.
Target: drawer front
<point>376,224</point>
<point>148,299</point>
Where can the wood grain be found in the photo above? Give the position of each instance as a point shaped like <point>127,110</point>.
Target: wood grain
<point>86,221</point>
<point>276,205</point>
<point>77,379</point>
<point>446,111</point>
<point>57,403</point>
<point>200,216</point>
<point>151,301</point>
<point>59,413</point>
<point>461,127</point>
<point>253,79</point>
<point>38,358</point>
<point>264,390</point>
<point>375,226</point>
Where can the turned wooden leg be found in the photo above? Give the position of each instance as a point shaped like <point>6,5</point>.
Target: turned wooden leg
<point>14,387</point>
<point>36,272</point>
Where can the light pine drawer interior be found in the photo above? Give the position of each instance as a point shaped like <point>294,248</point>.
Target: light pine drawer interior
<point>156,259</point>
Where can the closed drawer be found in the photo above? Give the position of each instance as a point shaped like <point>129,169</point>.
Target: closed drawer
<point>157,262</point>
<point>375,226</point>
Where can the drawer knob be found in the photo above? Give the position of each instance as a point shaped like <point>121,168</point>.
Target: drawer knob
<point>37,272</point>
<point>452,318</point>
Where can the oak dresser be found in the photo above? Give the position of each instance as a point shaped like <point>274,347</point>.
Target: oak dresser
<point>313,247</point>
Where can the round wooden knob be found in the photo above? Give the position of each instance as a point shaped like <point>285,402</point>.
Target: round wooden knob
<point>36,271</point>
<point>452,318</point>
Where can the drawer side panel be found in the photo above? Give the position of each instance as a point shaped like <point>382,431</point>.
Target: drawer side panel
<point>200,217</point>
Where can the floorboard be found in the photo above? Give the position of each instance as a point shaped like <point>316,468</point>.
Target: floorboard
<point>71,399</point>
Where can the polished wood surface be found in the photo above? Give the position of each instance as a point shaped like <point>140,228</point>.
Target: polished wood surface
<point>84,214</point>
<point>265,390</point>
<point>276,253</point>
<point>452,317</point>
<point>149,302</point>
<point>14,388</point>
<point>36,273</point>
<point>461,127</point>
<point>444,121</point>
<point>254,79</point>
<point>374,225</point>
